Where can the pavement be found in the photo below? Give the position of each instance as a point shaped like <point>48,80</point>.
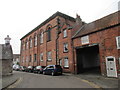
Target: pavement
<point>8,80</point>
<point>96,79</point>
<point>100,81</point>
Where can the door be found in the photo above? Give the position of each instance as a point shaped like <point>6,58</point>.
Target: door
<point>111,66</point>
<point>50,69</point>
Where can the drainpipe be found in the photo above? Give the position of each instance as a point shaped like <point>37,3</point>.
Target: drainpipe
<point>73,56</point>
<point>57,42</point>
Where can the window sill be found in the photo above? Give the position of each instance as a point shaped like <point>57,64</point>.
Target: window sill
<point>48,40</point>
<point>65,37</point>
<point>49,60</point>
<point>118,47</point>
<point>65,51</point>
<point>41,43</point>
<point>66,67</point>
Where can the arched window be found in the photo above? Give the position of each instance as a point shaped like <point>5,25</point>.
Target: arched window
<point>41,36</point>
<point>23,45</point>
<point>26,44</point>
<point>49,32</point>
<point>30,58</point>
<point>30,40</point>
<point>35,40</point>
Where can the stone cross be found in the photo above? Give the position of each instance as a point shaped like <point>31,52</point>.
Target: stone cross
<point>7,40</point>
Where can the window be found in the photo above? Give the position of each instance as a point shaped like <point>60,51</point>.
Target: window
<point>49,34</point>
<point>60,62</point>
<point>51,67</point>
<point>23,59</point>
<point>85,40</point>
<point>23,45</point>
<point>41,57</point>
<point>118,42</point>
<point>35,40</point>
<point>66,62</point>
<point>30,58</point>
<point>41,37</point>
<point>35,57</point>
<point>65,33</point>
<point>65,47</point>
<point>26,44</point>
<point>26,58</point>
<point>49,56</point>
<point>30,42</point>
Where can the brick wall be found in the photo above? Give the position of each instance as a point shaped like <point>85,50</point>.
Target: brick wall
<point>47,46</point>
<point>107,45</point>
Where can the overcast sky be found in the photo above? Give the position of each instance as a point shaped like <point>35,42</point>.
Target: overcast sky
<point>18,17</point>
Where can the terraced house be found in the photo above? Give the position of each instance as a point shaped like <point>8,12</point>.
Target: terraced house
<point>77,46</point>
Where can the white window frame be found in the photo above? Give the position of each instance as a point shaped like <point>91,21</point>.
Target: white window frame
<point>41,56</point>
<point>118,42</point>
<point>23,59</point>
<point>30,58</point>
<point>27,58</point>
<point>27,45</point>
<point>49,56</point>
<point>65,33</point>
<point>85,40</point>
<point>23,46</point>
<point>31,43</point>
<point>65,45</point>
<point>60,62</point>
<point>35,57</point>
<point>35,42</point>
<point>41,37</point>
<point>66,62</point>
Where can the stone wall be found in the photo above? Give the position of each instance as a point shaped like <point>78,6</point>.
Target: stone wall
<point>6,59</point>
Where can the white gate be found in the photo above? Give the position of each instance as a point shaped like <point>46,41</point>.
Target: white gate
<point>111,66</point>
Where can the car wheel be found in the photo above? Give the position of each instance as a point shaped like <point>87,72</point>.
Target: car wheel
<point>39,72</point>
<point>53,73</point>
<point>43,73</point>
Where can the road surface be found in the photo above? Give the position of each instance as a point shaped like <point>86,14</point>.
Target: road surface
<point>31,80</point>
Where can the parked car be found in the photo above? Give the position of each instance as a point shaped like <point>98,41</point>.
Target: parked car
<point>39,69</point>
<point>16,67</point>
<point>23,68</point>
<point>30,68</point>
<point>13,67</point>
<point>53,70</point>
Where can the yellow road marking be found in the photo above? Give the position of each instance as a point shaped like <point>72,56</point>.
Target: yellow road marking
<point>91,84</point>
<point>15,84</point>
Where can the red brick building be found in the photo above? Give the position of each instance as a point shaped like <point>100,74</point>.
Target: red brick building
<point>44,45</point>
<point>97,44</point>
<point>78,47</point>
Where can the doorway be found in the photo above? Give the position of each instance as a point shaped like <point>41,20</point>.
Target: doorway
<point>111,66</point>
<point>88,60</point>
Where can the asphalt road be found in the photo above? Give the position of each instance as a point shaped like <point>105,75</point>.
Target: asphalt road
<point>31,80</point>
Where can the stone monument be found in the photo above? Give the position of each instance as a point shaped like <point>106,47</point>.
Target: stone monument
<point>6,57</point>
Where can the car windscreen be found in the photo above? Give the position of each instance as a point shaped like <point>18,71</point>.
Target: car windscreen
<point>38,67</point>
<point>43,66</point>
<point>58,66</point>
<point>29,66</point>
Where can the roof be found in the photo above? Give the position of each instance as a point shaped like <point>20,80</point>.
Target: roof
<point>49,19</point>
<point>100,24</point>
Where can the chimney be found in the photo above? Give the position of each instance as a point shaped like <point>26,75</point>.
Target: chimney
<point>78,20</point>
